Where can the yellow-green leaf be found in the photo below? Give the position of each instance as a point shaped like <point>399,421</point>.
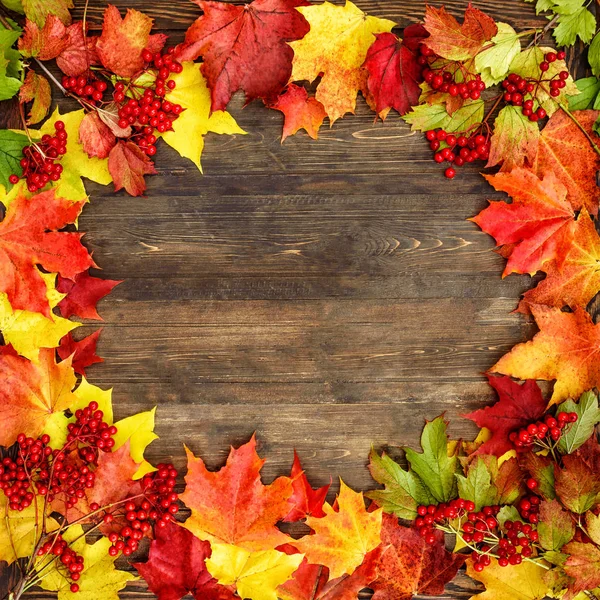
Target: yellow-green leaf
<point>493,63</point>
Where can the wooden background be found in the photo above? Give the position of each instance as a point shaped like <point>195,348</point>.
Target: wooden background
<point>328,295</point>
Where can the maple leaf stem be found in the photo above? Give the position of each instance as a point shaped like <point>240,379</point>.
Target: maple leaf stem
<point>581,128</point>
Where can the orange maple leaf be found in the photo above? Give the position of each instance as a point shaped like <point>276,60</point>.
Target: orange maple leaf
<point>232,506</point>
<point>300,111</point>
<point>566,349</point>
<point>31,393</point>
<point>344,536</point>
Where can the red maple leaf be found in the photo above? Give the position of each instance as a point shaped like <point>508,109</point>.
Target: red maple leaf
<point>410,566</point>
<point>83,351</point>
<point>82,294</point>
<point>79,53</point>
<point>517,406</point>
<point>176,567</point>
<point>300,111</point>
<point>127,164</point>
<point>28,237</point>
<point>245,47</point>
<point>394,73</point>
<point>305,500</point>
<point>45,43</point>
<point>95,136</point>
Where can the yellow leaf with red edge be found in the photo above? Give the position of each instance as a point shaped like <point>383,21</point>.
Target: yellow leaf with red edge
<point>343,536</point>
<point>232,506</point>
<point>521,582</point>
<point>256,575</point>
<point>335,48</point>
<point>193,123</point>
<point>566,350</point>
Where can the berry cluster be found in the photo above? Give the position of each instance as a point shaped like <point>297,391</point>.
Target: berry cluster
<point>457,149</point>
<point>157,504</point>
<point>516,544</point>
<point>39,159</point>
<point>92,90</point>
<point>429,516</point>
<point>540,431</point>
<point>71,564</point>
<point>529,506</point>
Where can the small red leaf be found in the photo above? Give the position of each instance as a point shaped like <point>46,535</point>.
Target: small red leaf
<point>83,292</point>
<point>83,351</point>
<point>300,111</point>
<point>80,52</point>
<point>127,164</point>
<point>95,136</point>
<point>305,500</point>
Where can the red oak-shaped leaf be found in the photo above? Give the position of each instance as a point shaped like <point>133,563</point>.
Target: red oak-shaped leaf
<point>127,164</point>
<point>232,506</point>
<point>245,47</point>
<point>565,151</point>
<point>311,582</point>
<point>453,41</point>
<point>96,136</point>
<point>583,565</point>
<point>577,281</point>
<point>176,567</point>
<point>83,351</point>
<point>566,349</point>
<point>83,292</point>
<point>36,89</point>
<point>410,566</point>
<point>300,111</point>
<point>45,43</point>
<point>122,41</point>
<point>538,224</point>
<point>394,73</point>
<point>305,500</point>
<point>28,237</point>
<point>79,53</point>
<point>31,393</point>
<point>517,406</point>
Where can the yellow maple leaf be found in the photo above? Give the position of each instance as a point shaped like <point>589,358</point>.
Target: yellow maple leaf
<point>99,578</point>
<point>189,129</point>
<point>76,163</point>
<point>521,582</point>
<point>336,47</point>
<point>256,575</point>
<point>18,533</point>
<point>342,537</point>
<point>29,331</point>
<point>139,431</point>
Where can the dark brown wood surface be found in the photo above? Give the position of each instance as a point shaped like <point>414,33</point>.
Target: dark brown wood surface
<point>327,295</point>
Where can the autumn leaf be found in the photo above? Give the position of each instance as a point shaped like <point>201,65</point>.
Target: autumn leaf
<point>175,567</point>
<point>424,117</point>
<point>526,581</point>
<point>576,486</point>
<point>36,89</point>
<point>449,39</point>
<point>565,349</point>
<point>29,237</point>
<point>410,566</point>
<point>493,62</point>
<point>564,150</point>
<point>335,48</point>
<point>244,47</point>
<point>300,112</point>
<point>434,465</point>
<point>588,416</point>
<point>82,294</point>
<point>515,140</point>
<point>577,280</point>
<point>304,501</point>
<point>232,506</point>
<point>583,565</point>
<point>555,527</point>
<point>11,152</point>
<point>83,351</point>
<point>342,537</point>
<point>477,485</point>
<point>189,129</point>
<point>28,331</point>
<point>122,41</point>
<point>394,74</point>
<point>404,490</point>
<point>508,481</point>
<point>31,393</point>
<point>127,164</point>
<point>45,43</point>
<point>95,136</point>
<point>39,10</point>
<point>518,406</point>
<point>541,469</point>
<point>79,53</point>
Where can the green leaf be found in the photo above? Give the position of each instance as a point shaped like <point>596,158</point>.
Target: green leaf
<point>404,490</point>
<point>433,116</point>
<point>555,526</point>
<point>508,513</point>
<point>435,468</point>
<point>577,487</point>
<point>9,86</point>
<point>542,5</point>
<point>14,5</point>
<point>11,152</point>
<point>594,55</point>
<point>477,485</point>
<point>541,469</point>
<point>38,10</point>
<point>494,62</point>
<point>580,24</point>
<point>567,7</point>
<point>576,434</point>
<point>9,36</point>
<point>588,90</point>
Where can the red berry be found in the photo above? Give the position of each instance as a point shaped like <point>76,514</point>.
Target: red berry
<point>561,55</point>
<point>532,484</point>
<point>14,179</point>
<point>450,173</point>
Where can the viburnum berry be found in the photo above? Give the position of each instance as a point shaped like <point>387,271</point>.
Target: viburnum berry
<point>68,563</point>
<point>543,433</point>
